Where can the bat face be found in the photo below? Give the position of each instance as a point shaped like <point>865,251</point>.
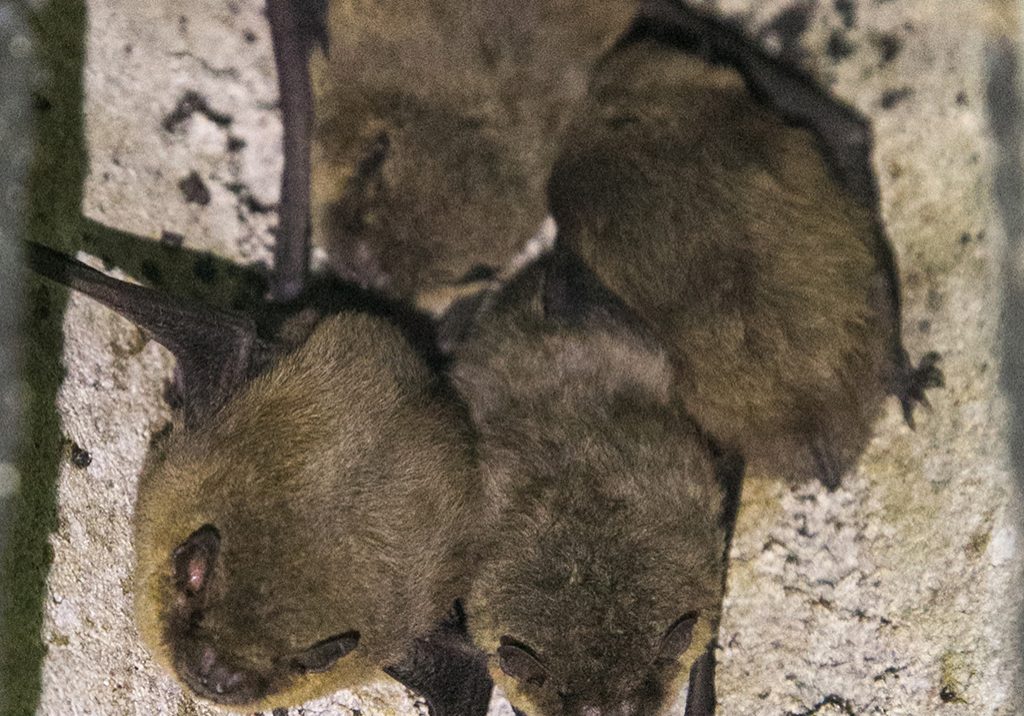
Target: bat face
<point>435,127</point>
<point>418,182</point>
<point>589,621</point>
<point>603,577</point>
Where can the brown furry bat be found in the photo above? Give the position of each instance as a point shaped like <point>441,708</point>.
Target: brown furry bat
<point>311,521</point>
<point>728,231</point>
<point>604,573</point>
<point>435,127</point>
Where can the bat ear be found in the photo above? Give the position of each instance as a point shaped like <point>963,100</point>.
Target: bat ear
<point>572,292</point>
<point>565,287</point>
<point>677,637</point>
<point>518,661</point>
<point>322,655</point>
<point>193,561</point>
<point>216,351</point>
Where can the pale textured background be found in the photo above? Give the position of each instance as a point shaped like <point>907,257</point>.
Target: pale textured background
<point>899,587</point>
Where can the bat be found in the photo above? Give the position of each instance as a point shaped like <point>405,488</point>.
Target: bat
<point>748,239</point>
<point>608,510</point>
<point>434,130</point>
<point>311,518</point>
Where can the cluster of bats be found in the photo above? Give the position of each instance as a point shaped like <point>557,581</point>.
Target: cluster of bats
<point>548,500</point>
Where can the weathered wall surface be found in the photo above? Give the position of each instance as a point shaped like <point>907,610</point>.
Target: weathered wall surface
<point>893,595</point>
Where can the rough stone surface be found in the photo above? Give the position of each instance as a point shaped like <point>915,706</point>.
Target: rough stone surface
<point>894,595</point>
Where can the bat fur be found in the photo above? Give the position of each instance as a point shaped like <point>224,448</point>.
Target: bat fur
<point>730,204</point>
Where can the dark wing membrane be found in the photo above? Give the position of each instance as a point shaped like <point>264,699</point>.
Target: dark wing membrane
<point>216,351</point>
<point>700,694</point>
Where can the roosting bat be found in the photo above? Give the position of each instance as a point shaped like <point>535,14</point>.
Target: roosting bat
<point>312,518</point>
<point>747,236</point>
<point>607,510</point>
<point>435,127</point>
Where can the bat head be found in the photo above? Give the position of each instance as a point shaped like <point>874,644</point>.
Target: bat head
<point>602,581</point>
<point>435,128</point>
<point>310,516</point>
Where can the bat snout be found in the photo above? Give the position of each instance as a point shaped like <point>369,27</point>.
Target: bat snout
<point>210,676</point>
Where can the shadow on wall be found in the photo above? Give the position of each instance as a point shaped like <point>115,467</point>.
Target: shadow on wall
<point>15,152</point>
<point>1006,118</point>
<point>53,201</point>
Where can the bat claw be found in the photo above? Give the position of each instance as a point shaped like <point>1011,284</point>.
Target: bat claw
<point>927,375</point>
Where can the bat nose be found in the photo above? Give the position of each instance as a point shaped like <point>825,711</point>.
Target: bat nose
<point>211,677</point>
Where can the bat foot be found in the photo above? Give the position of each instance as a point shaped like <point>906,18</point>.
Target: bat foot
<point>827,465</point>
<point>917,380</point>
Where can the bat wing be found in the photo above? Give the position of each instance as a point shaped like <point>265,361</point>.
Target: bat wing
<point>216,350</point>
<point>296,26</point>
<point>447,670</point>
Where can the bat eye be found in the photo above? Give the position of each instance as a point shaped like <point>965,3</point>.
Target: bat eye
<point>194,558</point>
<point>518,661</point>
<point>322,655</point>
<point>678,637</point>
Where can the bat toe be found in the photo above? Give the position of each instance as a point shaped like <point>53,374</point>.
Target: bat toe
<point>926,376</point>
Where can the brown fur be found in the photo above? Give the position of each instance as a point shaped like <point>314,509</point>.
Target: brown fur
<point>344,492</point>
<point>602,506</point>
<point>721,226</point>
<point>436,124</point>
